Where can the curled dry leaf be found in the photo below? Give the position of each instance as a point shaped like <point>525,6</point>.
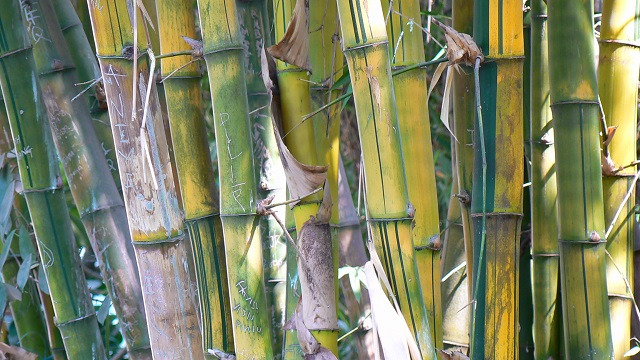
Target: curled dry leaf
<point>301,179</point>
<point>221,354</point>
<point>196,46</point>
<point>294,46</point>
<point>15,353</point>
<point>461,49</point>
<point>308,343</point>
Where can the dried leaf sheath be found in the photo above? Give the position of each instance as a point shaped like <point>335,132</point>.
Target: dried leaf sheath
<point>223,52</point>
<point>581,223</point>
<point>182,87</point>
<point>42,186</point>
<point>155,222</point>
<point>619,62</point>
<point>365,46</point>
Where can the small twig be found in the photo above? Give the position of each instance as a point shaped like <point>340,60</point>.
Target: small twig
<point>624,201</point>
<point>92,82</point>
<point>134,94</point>
<point>360,323</point>
<point>270,206</point>
<point>626,282</point>
<point>178,69</point>
<point>120,354</point>
<point>453,271</point>
<point>483,232</point>
<point>413,23</point>
<point>144,135</point>
<point>175,53</point>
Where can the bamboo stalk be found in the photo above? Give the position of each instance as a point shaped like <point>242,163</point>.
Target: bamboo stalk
<point>94,192</point>
<point>291,25</point>
<point>26,312</point>
<point>619,64</point>
<point>366,49</point>
<point>181,78</point>
<point>163,251</point>
<point>75,316</point>
<point>254,25</point>
<point>544,228</point>
<point>88,72</point>
<point>581,223</point>
<point>406,49</point>
<point>223,52</point>
<point>496,205</point>
<point>455,290</point>
<point>464,115</point>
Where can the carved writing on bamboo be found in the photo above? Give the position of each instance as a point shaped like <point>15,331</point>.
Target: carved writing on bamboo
<point>31,15</point>
<point>246,310</point>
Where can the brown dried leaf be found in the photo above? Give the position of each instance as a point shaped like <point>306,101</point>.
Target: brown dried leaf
<point>460,46</point>
<point>308,343</point>
<point>15,353</point>
<point>294,46</point>
<point>196,46</point>
<point>301,179</point>
<point>452,355</point>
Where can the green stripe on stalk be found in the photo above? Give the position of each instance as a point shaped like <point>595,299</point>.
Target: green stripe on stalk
<point>581,222</point>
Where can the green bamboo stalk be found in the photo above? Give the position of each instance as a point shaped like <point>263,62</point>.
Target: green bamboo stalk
<point>88,71</point>
<point>366,49</point>
<point>526,282</point>
<point>163,251</point>
<point>455,290</point>
<point>496,205</point>
<point>75,316</point>
<point>463,124</point>
<point>581,223</point>
<point>26,312</point>
<point>618,68</point>
<point>406,49</point>
<point>547,313</point>
<point>223,52</point>
<point>53,333</point>
<point>254,26</point>
<point>290,344</point>
<point>94,192</point>
<point>181,78</point>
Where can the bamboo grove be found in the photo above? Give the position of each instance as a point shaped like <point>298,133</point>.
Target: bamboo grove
<point>319,179</point>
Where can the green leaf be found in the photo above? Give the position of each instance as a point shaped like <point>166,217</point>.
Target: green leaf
<point>13,294</point>
<point>23,272</point>
<point>104,310</point>
<point>26,243</point>
<point>5,248</point>
<point>42,280</point>
<point>633,351</point>
<point>3,297</point>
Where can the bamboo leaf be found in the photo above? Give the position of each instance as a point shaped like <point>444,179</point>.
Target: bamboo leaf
<point>460,46</point>
<point>42,280</point>
<point>5,248</point>
<point>633,351</point>
<point>23,272</point>
<point>3,297</point>
<point>25,243</point>
<point>104,309</point>
<point>13,294</point>
<point>7,184</point>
